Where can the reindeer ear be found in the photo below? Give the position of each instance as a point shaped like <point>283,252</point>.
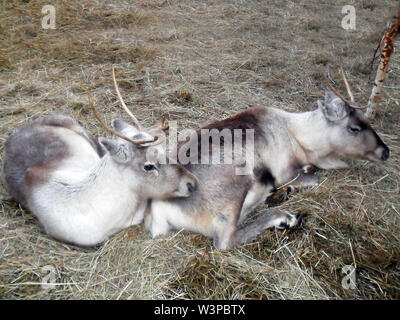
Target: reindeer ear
<point>119,151</point>
<point>330,96</point>
<point>121,126</point>
<point>333,108</point>
<point>141,136</point>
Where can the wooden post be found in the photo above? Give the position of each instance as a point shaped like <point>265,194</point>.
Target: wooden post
<point>381,73</point>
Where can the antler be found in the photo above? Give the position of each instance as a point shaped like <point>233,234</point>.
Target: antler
<point>135,120</point>
<point>332,87</point>
<point>345,81</point>
<point>136,142</point>
<point>351,103</point>
<point>160,126</point>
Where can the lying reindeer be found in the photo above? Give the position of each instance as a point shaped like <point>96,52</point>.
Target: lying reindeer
<point>287,145</point>
<point>83,190</point>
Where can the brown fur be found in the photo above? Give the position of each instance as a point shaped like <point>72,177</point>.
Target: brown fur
<point>284,145</point>
<point>247,119</point>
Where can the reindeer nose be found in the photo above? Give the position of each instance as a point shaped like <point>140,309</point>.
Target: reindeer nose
<point>385,154</point>
<point>191,187</point>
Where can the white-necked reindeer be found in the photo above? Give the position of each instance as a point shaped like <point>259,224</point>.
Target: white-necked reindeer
<point>286,145</point>
<point>83,190</point>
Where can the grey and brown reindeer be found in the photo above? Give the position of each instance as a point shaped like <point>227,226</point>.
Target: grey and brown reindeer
<point>287,146</point>
<point>215,200</point>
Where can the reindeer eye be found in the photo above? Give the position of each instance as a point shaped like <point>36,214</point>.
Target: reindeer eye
<point>149,167</point>
<point>354,129</point>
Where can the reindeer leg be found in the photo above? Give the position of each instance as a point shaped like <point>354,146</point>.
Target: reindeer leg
<point>279,219</point>
<point>332,163</point>
<point>304,180</point>
<point>154,219</point>
<point>308,169</point>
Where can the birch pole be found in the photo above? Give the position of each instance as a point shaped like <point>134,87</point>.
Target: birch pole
<point>384,58</point>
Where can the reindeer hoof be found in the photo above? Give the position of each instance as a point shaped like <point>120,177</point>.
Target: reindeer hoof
<point>288,220</point>
<point>290,190</point>
<point>309,169</point>
<point>283,226</point>
<point>299,218</point>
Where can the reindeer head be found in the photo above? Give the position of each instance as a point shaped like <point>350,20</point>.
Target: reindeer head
<point>146,171</point>
<point>351,135</point>
<point>133,152</point>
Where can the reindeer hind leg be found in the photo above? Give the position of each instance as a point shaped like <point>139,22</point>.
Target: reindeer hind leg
<point>271,218</point>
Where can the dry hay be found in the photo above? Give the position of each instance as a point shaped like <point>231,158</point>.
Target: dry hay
<point>200,61</point>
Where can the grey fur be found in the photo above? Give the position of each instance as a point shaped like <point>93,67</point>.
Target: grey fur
<point>82,191</point>
<point>31,146</point>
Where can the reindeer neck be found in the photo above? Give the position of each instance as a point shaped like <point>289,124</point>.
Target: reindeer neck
<point>309,135</point>
<point>101,191</point>
<point>103,178</point>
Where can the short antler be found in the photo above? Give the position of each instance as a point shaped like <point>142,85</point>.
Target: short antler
<point>332,87</point>
<point>160,125</point>
<point>350,103</point>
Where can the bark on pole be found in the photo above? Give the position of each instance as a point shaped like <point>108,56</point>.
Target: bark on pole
<point>381,73</point>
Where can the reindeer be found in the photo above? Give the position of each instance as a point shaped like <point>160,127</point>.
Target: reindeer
<point>84,190</point>
<point>288,146</point>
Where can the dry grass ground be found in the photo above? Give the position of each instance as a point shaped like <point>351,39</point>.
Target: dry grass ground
<point>200,61</point>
